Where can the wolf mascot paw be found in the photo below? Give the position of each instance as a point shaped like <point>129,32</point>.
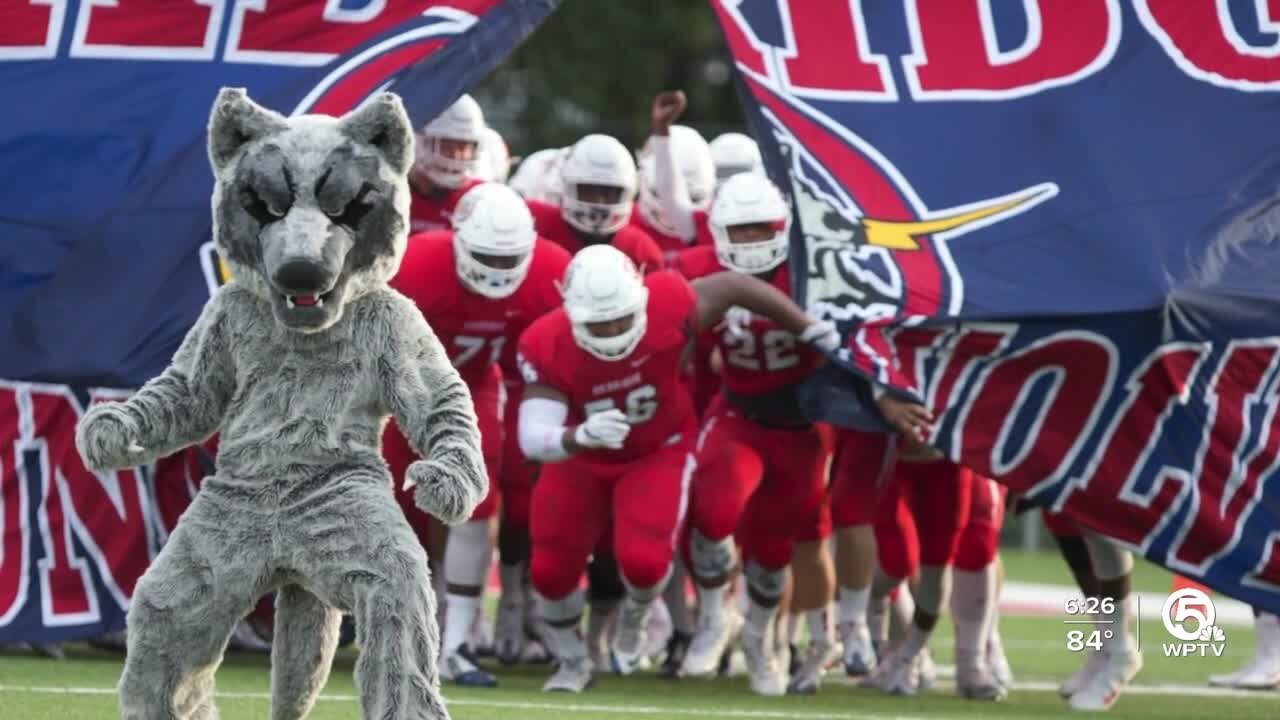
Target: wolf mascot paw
<point>107,439</point>
<point>438,492</point>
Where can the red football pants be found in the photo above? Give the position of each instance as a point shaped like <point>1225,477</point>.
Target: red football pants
<point>576,503</point>
<point>487,396</point>
<point>862,471</point>
<point>921,515</point>
<point>518,473</point>
<point>980,538</point>
<point>769,484</point>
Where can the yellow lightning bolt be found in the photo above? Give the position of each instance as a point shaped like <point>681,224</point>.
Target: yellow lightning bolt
<point>901,234</point>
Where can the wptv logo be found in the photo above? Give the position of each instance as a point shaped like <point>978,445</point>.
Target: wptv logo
<point>1189,615</point>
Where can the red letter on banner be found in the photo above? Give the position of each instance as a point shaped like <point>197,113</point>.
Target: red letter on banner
<point>136,29</point>
<point>1227,471</point>
<point>828,55</point>
<point>1105,494</point>
<point>1204,42</point>
<point>955,55</point>
<point>304,32</point>
<point>107,511</point>
<point>14,509</point>
<point>1081,367</point>
<point>30,29</point>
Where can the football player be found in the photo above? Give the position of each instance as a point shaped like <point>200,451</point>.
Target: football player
<point>479,286</point>
<point>1103,571</point>
<point>975,594</point>
<point>444,166</point>
<point>734,153</point>
<point>537,177</point>
<point>606,415</point>
<point>598,190</point>
<point>760,462</point>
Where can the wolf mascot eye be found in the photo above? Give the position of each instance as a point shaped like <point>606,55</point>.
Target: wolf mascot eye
<point>296,361</point>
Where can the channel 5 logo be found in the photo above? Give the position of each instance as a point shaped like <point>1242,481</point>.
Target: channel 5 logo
<point>1189,615</point>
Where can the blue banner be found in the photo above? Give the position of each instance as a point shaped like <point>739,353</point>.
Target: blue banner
<point>105,259</point>
<point>1056,225</point>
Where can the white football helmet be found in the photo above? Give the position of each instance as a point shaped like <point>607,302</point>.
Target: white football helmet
<point>602,284</point>
<point>733,153</point>
<point>745,199</point>
<point>492,222</point>
<point>693,160</point>
<point>463,121</point>
<point>494,161</point>
<point>597,160</point>
<point>538,176</point>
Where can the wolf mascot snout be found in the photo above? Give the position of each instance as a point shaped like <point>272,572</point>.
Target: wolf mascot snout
<point>298,362</point>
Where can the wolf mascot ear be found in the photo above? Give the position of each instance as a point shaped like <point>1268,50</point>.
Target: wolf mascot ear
<point>383,123</point>
<point>237,121</point>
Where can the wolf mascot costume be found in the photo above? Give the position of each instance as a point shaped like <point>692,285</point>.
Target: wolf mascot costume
<point>297,363</point>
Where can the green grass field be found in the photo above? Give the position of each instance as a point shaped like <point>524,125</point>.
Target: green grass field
<point>81,686</point>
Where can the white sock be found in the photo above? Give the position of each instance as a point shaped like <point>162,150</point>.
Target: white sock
<point>821,630</point>
<point>852,605</point>
<point>1119,623</point>
<point>915,641</point>
<point>512,578</point>
<point>677,601</point>
<point>877,614</point>
<point>711,601</point>
<point>973,608</point>
<point>468,554</point>
<point>563,617</point>
<point>760,617</point>
<point>462,613</point>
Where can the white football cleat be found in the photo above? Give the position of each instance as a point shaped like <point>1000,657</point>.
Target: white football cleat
<point>1263,671</point>
<point>858,654</point>
<point>508,636</point>
<point>460,668</point>
<point>997,660</point>
<point>1093,665</point>
<point>818,656</point>
<point>926,670</point>
<point>627,650</point>
<point>572,675</point>
<point>659,629</point>
<point>898,674</point>
<point>974,680</point>
<point>714,634</point>
<point>763,668</point>
<point>1102,688</point>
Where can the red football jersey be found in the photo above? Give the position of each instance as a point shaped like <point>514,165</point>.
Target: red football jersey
<point>477,332</point>
<point>670,244</point>
<point>765,357</point>
<point>633,242</point>
<point>645,384</point>
<point>435,212</point>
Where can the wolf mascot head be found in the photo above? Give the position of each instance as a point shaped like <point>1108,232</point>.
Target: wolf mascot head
<point>309,212</point>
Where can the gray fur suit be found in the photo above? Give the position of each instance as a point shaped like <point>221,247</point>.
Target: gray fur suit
<point>297,363</point>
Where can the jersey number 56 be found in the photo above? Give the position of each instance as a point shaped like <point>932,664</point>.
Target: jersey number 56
<point>640,405</point>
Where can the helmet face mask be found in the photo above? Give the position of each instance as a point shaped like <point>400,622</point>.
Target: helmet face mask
<point>448,147</point>
<point>605,299</point>
<point>750,224</point>
<point>493,240</point>
<point>598,177</point>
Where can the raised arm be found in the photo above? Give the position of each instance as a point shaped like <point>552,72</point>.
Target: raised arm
<point>184,405</point>
<point>672,192</point>
<point>433,409</point>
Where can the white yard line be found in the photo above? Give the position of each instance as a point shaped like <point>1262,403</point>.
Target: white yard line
<point>515,705</point>
<point>1032,686</point>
